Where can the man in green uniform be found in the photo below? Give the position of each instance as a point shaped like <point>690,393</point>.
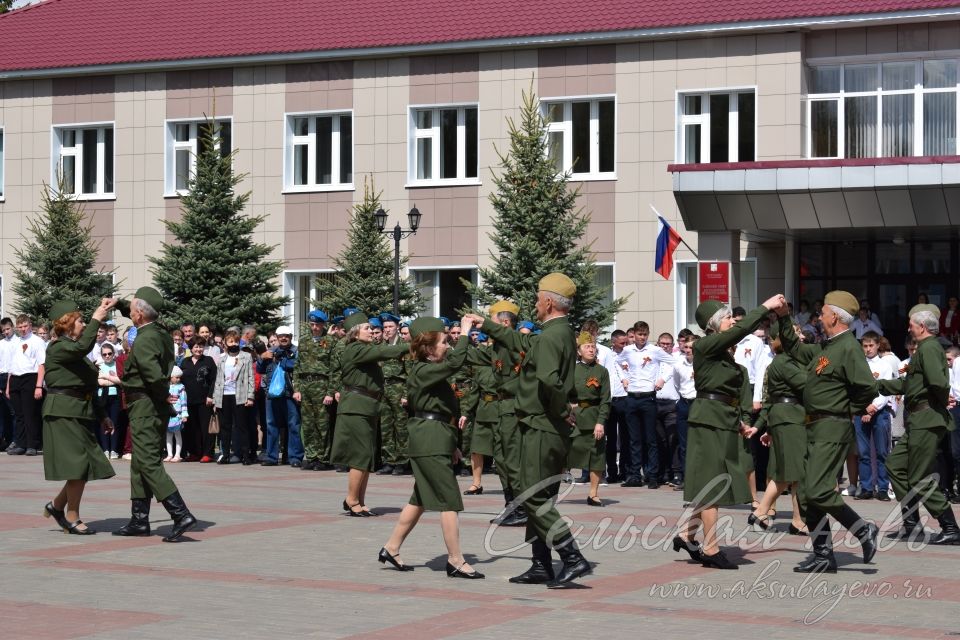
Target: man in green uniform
<point>336,372</point>
<point>393,415</point>
<point>146,383</point>
<point>310,381</point>
<point>462,382</point>
<point>547,419</point>
<point>926,391</point>
<point>839,385</point>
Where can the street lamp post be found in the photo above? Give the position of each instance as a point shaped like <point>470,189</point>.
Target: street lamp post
<point>397,233</point>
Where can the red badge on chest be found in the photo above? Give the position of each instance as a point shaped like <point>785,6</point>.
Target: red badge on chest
<point>822,364</point>
<point>593,382</point>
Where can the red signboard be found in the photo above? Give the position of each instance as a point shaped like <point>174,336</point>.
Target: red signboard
<point>714,281</point>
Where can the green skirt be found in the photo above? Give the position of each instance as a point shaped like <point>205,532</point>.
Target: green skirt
<point>355,441</point>
<point>71,452</point>
<point>435,486</point>
<point>787,452</point>
<point>715,475</point>
<point>586,452</point>
<point>481,440</point>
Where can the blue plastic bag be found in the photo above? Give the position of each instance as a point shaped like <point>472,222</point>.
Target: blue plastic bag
<point>278,383</point>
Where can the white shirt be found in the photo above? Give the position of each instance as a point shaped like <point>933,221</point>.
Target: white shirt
<point>955,379</point>
<point>860,327</point>
<point>607,358</point>
<point>669,389</point>
<point>28,354</point>
<point>749,353</point>
<point>230,366</point>
<point>683,378</point>
<point>881,371</point>
<point>893,362</point>
<point>7,345</point>
<point>643,366</point>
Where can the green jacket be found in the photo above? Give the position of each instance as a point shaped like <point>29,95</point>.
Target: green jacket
<point>395,370</point>
<point>485,384</point>
<point>313,362</point>
<point>361,368</point>
<point>927,380</point>
<point>592,386</point>
<point>429,389</point>
<point>336,366</point>
<point>784,377</point>
<point>715,371</point>
<point>546,386</point>
<point>147,368</point>
<point>67,366</point>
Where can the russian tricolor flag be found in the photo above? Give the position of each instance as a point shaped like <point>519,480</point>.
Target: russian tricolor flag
<point>667,242</point>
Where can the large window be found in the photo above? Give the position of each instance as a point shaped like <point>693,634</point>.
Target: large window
<point>581,136</point>
<point>319,152</point>
<point>886,109</point>
<point>84,159</point>
<point>443,291</point>
<point>717,127</point>
<point>687,292</point>
<point>444,145</point>
<point>185,139</point>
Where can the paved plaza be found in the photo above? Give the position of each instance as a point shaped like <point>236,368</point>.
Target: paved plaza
<point>276,557</point>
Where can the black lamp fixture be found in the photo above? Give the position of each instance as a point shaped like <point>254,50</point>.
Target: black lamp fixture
<point>381,217</point>
<point>397,233</point>
<point>413,217</point>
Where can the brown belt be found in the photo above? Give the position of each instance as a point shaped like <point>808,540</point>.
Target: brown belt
<point>133,396</point>
<point>719,397</point>
<point>921,405</point>
<point>490,397</point>
<point>785,400</point>
<point>584,404</point>
<point>436,417</point>
<point>363,392</point>
<point>813,417</point>
<point>73,393</point>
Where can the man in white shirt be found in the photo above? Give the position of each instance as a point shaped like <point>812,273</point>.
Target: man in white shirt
<point>873,429</point>
<point>752,352</point>
<point>25,387</point>
<point>615,428</point>
<point>953,361</point>
<point>686,388</point>
<point>667,397</point>
<point>6,411</point>
<point>642,365</point>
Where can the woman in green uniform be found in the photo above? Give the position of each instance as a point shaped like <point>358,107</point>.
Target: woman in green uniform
<point>714,475</point>
<point>592,386</point>
<point>70,413</point>
<point>481,409</point>
<point>433,443</point>
<point>355,438</point>
<point>782,422</point>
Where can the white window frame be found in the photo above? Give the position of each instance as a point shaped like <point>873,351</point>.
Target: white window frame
<point>435,308</point>
<point>3,159</point>
<point>289,285</point>
<point>415,134</point>
<point>171,146</point>
<point>566,127</point>
<point>613,294</point>
<point>290,141</point>
<point>918,91</point>
<point>680,290</point>
<point>57,154</point>
<point>703,120</point>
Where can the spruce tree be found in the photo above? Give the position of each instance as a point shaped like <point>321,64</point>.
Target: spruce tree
<point>59,261</point>
<point>215,272</point>
<point>538,228</point>
<point>365,267</point>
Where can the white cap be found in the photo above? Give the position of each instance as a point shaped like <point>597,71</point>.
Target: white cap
<point>284,330</point>
<point>177,372</point>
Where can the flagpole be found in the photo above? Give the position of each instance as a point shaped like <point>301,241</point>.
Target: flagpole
<point>682,241</point>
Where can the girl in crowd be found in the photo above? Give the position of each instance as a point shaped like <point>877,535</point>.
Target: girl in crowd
<point>108,395</point>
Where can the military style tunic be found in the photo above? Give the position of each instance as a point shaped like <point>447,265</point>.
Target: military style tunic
<point>433,441</point>
<point>481,405</point>
<point>355,438</point>
<point>715,473</point>
<point>592,386</point>
<point>505,363</point>
<point>70,450</point>
<point>926,391</point>
<point>784,416</point>
<point>311,378</point>
<point>393,415</point>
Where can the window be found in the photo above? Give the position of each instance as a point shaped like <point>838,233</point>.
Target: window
<point>1,164</point>
<point>300,289</point>
<point>581,137</point>
<point>444,144</point>
<point>443,291</point>
<point>603,277</point>
<point>84,160</point>
<point>319,152</point>
<point>185,140</point>
<point>889,109</point>
<point>687,291</point>
<point>717,127</point>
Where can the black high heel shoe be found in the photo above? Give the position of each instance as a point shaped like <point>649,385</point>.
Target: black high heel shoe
<point>49,511</point>
<point>455,572</point>
<point>759,521</point>
<point>594,502</point>
<point>384,557</point>
<point>717,561</point>
<point>474,490</point>
<point>72,529</point>
<point>796,532</point>
<point>690,546</point>
<point>355,514</point>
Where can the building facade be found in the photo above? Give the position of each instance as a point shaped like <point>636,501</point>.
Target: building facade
<point>813,148</point>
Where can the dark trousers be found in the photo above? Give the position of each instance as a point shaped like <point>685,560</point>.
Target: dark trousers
<point>111,406</point>
<point>6,413</point>
<point>641,417</point>
<point>954,437</point>
<point>260,416</point>
<point>615,429</point>
<point>26,410</point>
<point>234,428</point>
<point>197,438</point>
<point>667,438</point>
<point>680,457</point>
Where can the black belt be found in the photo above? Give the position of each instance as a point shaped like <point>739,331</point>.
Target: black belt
<point>79,394</point>
<point>364,392</point>
<point>642,394</point>
<point>785,400</point>
<point>437,417</point>
<point>719,397</point>
<point>813,417</point>
<point>506,396</point>
<point>922,405</point>
<point>584,404</point>
<point>133,396</point>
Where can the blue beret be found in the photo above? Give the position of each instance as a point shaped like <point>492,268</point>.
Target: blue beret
<point>337,319</point>
<point>350,311</point>
<point>445,321</point>
<point>375,322</point>
<point>389,317</point>
<point>481,336</point>
<point>317,316</point>
<point>526,324</point>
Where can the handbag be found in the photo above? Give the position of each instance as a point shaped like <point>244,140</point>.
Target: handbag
<point>278,383</point>
<point>214,426</point>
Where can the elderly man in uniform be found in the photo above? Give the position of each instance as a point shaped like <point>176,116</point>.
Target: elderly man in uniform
<point>146,383</point>
<point>839,385</point>
<point>926,391</point>
<point>546,417</point>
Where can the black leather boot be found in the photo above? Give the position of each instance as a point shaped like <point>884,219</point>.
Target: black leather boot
<point>949,531</point>
<point>516,518</point>
<point>183,520</point>
<point>866,532</point>
<point>822,560</point>
<point>507,499</point>
<point>574,564</point>
<point>910,512</point>
<point>541,571</point>
<point>139,524</point>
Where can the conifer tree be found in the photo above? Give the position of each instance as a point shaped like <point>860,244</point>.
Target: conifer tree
<point>215,272</point>
<point>59,260</point>
<point>538,228</point>
<point>365,267</point>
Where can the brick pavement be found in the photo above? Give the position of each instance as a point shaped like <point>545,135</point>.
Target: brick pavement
<point>275,555</point>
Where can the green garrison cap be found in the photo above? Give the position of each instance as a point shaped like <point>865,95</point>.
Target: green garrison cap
<point>62,308</point>
<point>425,325</point>
<point>705,311</point>
<point>932,308</point>
<point>151,296</point>
<point>355,319</point>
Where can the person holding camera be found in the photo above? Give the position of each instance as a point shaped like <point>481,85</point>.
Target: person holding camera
<point>277,364</point>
